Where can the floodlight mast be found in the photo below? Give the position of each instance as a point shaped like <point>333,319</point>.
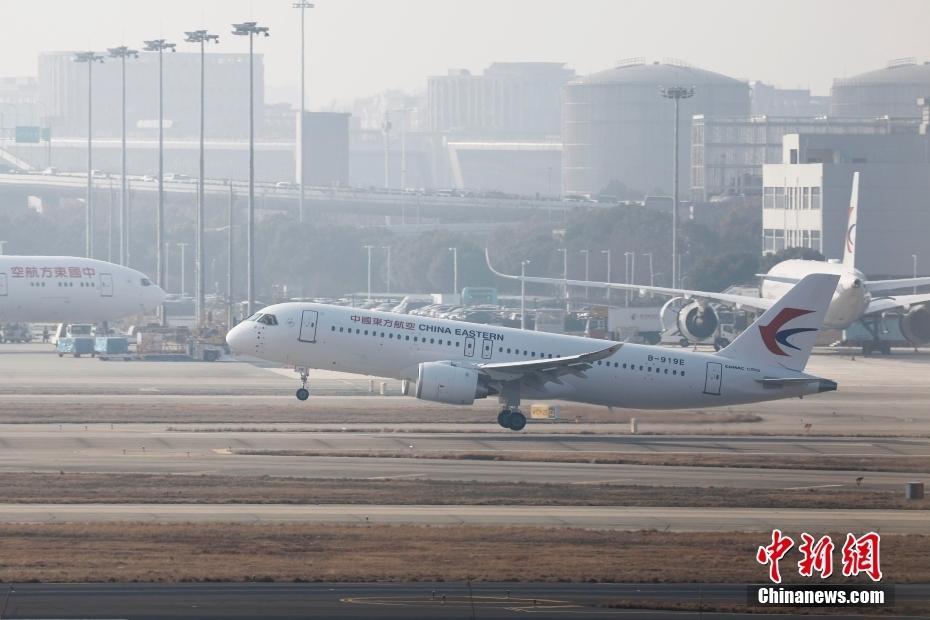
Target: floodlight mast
<point>122,53</point>
<point>251,30</point>
<point>90,58</point>
<point>676,93</point>
<point>201,37</point>
<point>160,45</point>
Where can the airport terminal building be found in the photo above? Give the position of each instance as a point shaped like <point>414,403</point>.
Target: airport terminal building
<point>806,199</point>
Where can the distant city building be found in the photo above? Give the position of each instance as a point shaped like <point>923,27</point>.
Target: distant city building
<point>892,91</point>
<point>806,198</point>
<point>617,129</point>
<point>508,98</point>
<point>18,104</point>
<point>62,86</point>
<point>325,158</point>
<point>727,154</point>
<point>768,100</point>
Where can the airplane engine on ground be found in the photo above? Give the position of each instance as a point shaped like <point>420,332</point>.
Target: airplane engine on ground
<point>443,382</point>
<point>915,324</point>
<point>697,322</point>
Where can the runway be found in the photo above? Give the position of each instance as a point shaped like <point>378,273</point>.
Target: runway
<point>389,601</point>
<point>593,517</point>
<point>150,448</point>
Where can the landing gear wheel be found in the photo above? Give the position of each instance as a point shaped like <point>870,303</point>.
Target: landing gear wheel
<point>886,348</point>
<point>517,421</point>
<point>303,393</point>
<point>683,343</point>
<point>503,418</point>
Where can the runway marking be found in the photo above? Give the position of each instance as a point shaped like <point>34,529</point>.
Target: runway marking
<point>396,476</point>
<point>460,601</point>
<point>816,486</point>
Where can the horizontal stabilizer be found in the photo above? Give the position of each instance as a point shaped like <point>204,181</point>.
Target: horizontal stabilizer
<point>825,384</point>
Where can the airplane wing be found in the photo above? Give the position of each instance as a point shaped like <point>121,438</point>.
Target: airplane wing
<point>738,301</point>
<point>548,369</point>
<point>898,302</point>
<point>890,285</point>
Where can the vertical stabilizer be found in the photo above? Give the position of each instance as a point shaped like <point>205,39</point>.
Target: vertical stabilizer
<point>849,247</point>
<point>785,333</point>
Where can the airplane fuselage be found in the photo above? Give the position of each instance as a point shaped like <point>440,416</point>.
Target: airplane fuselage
<point>849,302</point>
<point>319,336</point>
<point>70,289</point>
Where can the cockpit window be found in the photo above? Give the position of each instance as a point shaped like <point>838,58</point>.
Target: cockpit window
<point>268,319</point>
<point>254,317</point>
<point>145,282</point>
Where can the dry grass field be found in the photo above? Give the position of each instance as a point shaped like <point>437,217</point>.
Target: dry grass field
<point>908,464</point>
<point>331,552</point>
<point>214,489</point>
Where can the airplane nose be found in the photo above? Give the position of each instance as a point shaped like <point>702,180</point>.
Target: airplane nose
<point>234,338</point>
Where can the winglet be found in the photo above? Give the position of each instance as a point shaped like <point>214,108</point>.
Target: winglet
<point>849,247</point>
<point>785,333</point>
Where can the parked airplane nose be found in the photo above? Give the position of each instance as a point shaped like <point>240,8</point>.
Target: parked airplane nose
<point>235,338</point>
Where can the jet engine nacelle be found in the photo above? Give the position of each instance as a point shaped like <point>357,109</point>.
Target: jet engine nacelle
<point>697,322</point>
<point>915,324</point>
<point>442,382</point>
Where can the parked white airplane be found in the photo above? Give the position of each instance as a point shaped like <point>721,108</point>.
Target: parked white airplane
<point>57,289</point>
<point>455,363</point>
<point>856,298</point>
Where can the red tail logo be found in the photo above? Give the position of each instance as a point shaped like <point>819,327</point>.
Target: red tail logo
<point>773,335</point>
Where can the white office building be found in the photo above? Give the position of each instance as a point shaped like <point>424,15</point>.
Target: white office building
<point>806,199</point>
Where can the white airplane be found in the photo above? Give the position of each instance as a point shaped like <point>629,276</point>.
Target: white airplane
<point>856,297</point>
<point>68,289</point>
<point>455,363</point>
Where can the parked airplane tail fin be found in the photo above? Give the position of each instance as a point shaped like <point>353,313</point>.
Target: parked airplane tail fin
<point>849,247</point>
<point>785,333</point>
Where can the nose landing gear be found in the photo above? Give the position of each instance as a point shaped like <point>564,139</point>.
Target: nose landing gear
<point>303,393</point>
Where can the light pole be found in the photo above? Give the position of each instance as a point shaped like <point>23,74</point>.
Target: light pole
<point>302,5</point>
<point>369,248</point>
<point>2,245</point>
<point>651,273</point>
<point>607,252</point>
<point>587,254</point>
<point>676,93</point>
<point>564,252</point>
<point>251,29</point>
<point>90,58</point>
<point>122,52</point>
<point>183,247</point>
<point>630,268</point>
<point>387,283</point>
<point>386,130</point>
<point>914,256</point>
<point>455,270</point>
<point>201,37</point>
<point>160,45</point>
<point>229,256</point>
<point>523,265</point>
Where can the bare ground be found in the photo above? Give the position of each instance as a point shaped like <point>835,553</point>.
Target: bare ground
<point>212,489</point>
<point>906,464</point>
<point>330,552</point>
<point>325,410</point>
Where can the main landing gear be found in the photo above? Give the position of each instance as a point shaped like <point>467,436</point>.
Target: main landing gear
<point>512,419</point>
<point>303,393</point>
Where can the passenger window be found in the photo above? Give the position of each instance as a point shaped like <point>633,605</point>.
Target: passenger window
<point>391,335</point>
<point>145,282</point>
<point>333,328</point>
<point>682,373</point>
<point>407,338</point>
<point>340,330</point>
<point>366,332</point>
<point>432,341</point>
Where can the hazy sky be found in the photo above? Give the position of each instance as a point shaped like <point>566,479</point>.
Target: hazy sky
<point>359,47</point>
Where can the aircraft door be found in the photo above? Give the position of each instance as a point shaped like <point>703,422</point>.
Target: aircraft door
<point>2,285</point>
<point>308,321</point>
<point>713,379</point>
<point>487,349</point>
<point>105,283</point>
<point>470,346</point>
